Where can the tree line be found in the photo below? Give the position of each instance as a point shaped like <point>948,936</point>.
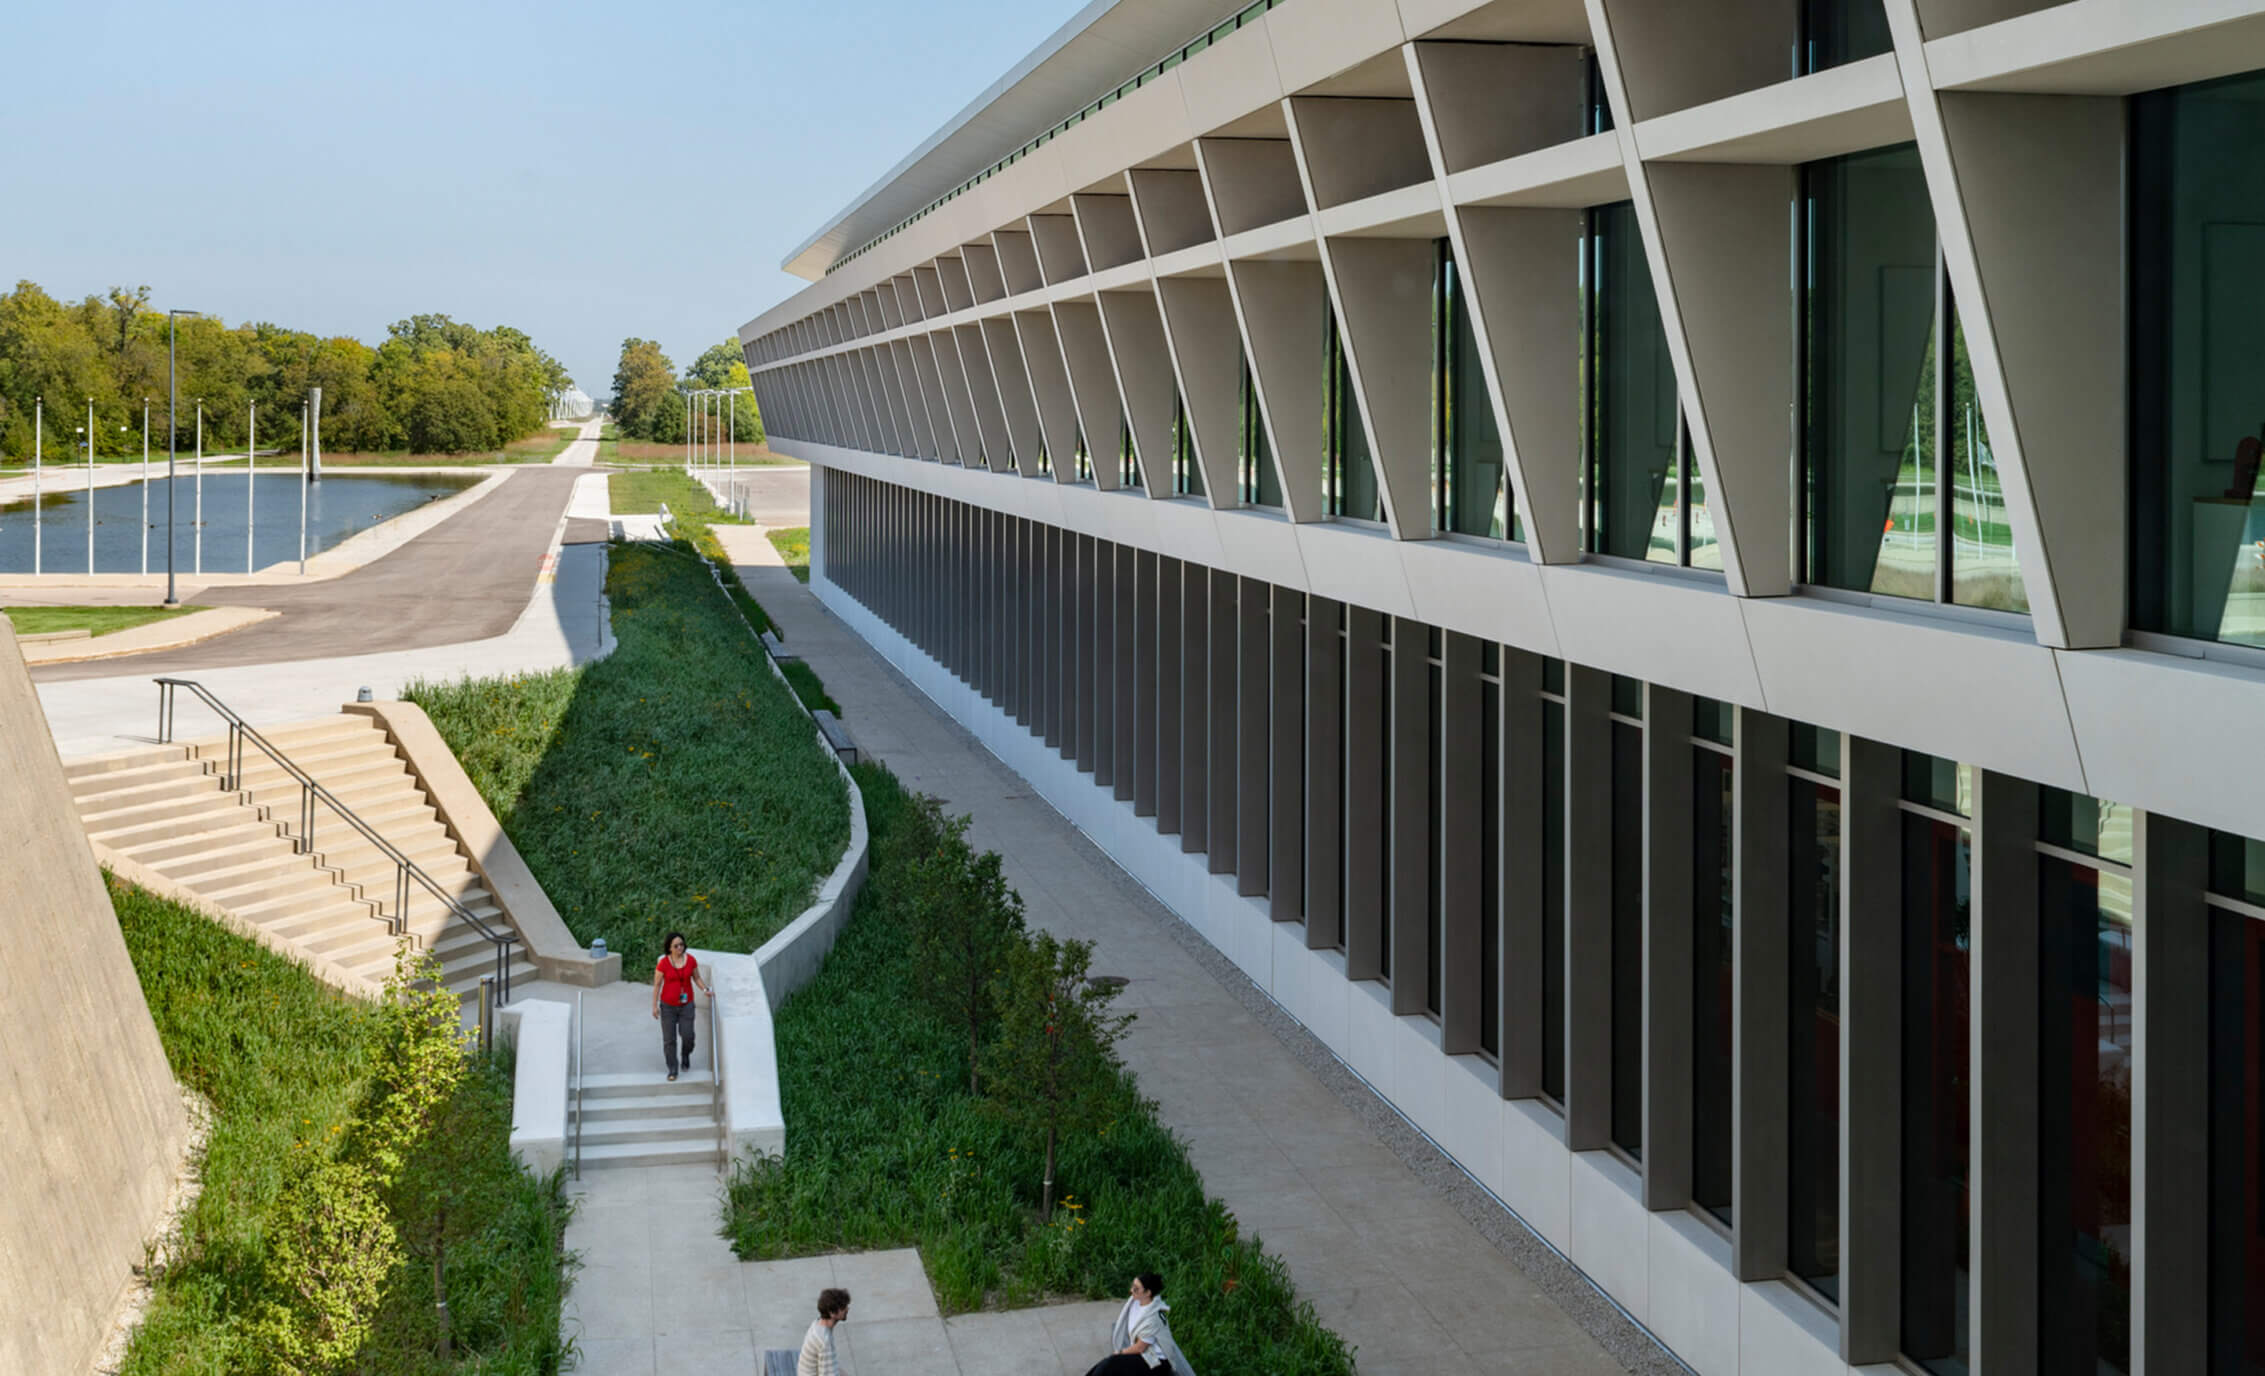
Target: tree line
<point>433,385</point>
<point>647,406</point>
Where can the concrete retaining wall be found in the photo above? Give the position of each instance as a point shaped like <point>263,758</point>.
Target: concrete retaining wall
<point>93,1126</point>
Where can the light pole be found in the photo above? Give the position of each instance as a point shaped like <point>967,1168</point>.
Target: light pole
<point>145,487</point>
<point>251,457</point>
<point>90,485</point>
<point>687,433</point>
<point>197,542</point>
<point>38,477</point>
<point>172,445</point>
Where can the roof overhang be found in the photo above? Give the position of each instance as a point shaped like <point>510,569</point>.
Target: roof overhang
<point>1101,45</point>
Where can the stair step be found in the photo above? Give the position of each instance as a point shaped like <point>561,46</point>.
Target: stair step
<point>645,1083</point>
<point>619,1108</point>
<point>676,1128</point>
<point>106,791</point>
<point>156,853</point>
<point>604,1156</point>
<point>121,761</point>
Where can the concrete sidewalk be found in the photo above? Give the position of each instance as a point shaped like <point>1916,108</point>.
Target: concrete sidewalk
<point>1305,1156</point>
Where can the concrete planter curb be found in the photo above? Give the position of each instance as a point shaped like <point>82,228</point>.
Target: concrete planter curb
<point>540,1030</point>
<point>555,952</point>
<point>750,988</point>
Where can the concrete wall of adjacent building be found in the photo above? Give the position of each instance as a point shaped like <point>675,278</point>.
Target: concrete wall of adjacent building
<point>91,1124</point>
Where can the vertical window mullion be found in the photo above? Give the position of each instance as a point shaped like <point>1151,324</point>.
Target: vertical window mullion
<point>1945,493</point>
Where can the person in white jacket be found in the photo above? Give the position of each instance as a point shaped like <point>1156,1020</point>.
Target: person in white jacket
<point>1140,1341</point>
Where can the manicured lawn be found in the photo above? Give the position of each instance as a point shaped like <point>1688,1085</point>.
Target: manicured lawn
<point>541,447</point>
<point>886,1148</point>
<point>98,620</point>
<point>643,490</point>
<point>285,1062</point>
<point>673,784</point>
<point>749,453</point>
<point>793,544</point>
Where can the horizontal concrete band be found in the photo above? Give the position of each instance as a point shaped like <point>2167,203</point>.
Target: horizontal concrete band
<point>1904,675</point>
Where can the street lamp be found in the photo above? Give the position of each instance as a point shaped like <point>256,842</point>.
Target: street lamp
<point>172,445</point>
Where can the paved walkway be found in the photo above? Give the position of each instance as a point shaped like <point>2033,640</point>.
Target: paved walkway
<point>553,592</point>
<point>1385,1259</point>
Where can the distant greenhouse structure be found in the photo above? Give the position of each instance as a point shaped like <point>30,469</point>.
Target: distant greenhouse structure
<point>573,404</point>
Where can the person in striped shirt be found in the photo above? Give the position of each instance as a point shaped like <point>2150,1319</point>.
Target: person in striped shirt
<point>817,1357</point>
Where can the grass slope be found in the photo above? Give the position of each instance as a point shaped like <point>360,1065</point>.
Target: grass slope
<point>886,1148</point>
<point>97,620</point>
<point>283,1059</point>
<point>672,784</point>
<point>793,544</point>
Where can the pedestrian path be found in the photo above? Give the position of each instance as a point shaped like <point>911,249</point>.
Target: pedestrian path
<point>660,1291</point>
<point>1386,1259</point>
<point>583,451</point>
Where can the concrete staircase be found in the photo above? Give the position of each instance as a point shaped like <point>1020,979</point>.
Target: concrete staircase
<point>644,1120</point>
<point>163,807</point>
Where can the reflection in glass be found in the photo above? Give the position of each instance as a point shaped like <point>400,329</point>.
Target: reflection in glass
<point>2237,867</point>
<point>1983,572</point>
<point>1470,494</point>
<point>1834,32</point>
<point>2197,171</point>
<point>1711,1103</point>
<point>1937,947</point>
<point>1187,474</point>
<point>2237,1143</point>
<point>1254,461</point>
<point>1871,325</point>
<point>1347,476</point>
<point>1813,1007</point>
<point>1702,550</point>
<point>1629,415</point>
<point>2084,1118</point>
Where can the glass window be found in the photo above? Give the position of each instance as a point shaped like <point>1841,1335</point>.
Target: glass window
<point>1128,467</point>
<point>1348,477</point>
<point>2092,826</point>
<point>1084,458</point>
<point>2197,171</point>
<point>1938,783</point>
<point>2237,867</point>
<point>1834,32</point>
<point>1435,879</point>
<point>1815,749</point>
<point>1712,1106</point>
<point>1983,572</point>
<point>1713,720</point>
<point>1596,111</point>
<point>1187,474</point>
<point>1254,461</point>
<point>2084,1116</point>
<point>1553,900</point>
<point>1628,938</point>
<point>1631,439</point>
<point>1470,492</point>
<point>1813,1006</point>
<point>1869,357</point>
<point>1628,696</point>
<point>1384,886</point>
<point>1937,1016</point>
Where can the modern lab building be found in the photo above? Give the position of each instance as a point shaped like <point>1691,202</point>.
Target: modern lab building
<point>1676,579</point>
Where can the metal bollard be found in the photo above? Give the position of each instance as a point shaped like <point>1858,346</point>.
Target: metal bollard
<point>487,1013</point>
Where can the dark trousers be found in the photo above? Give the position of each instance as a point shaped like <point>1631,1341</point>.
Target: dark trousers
<point>1126,1364</point>
<point>677,1022</point>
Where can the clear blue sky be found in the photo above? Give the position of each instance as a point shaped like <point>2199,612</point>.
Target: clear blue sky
<point>585,172</point>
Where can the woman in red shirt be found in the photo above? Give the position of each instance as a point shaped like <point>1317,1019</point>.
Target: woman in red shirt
<point>674,976</point>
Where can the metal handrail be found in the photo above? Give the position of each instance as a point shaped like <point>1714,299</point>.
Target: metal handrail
<point>574,1076</point>
<point>311,793</point>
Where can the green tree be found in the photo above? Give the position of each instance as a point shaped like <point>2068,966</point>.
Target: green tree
<point>330,1249</point>
<point>966,919</point>
<point>1052,1066</point>
<point>645,401</point>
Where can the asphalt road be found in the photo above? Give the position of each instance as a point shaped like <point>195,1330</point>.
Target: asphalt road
<point>468,578</point>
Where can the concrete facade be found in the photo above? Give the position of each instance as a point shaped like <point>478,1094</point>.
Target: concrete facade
<point>1480,808</point>
<point>94,1126</point>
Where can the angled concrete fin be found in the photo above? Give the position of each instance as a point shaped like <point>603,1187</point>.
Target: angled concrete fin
<point>1199,320</point>
<point>1143,365</point>
<point>1382,289</point>
<point>1283,308</point>
<point>1093,388</point>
